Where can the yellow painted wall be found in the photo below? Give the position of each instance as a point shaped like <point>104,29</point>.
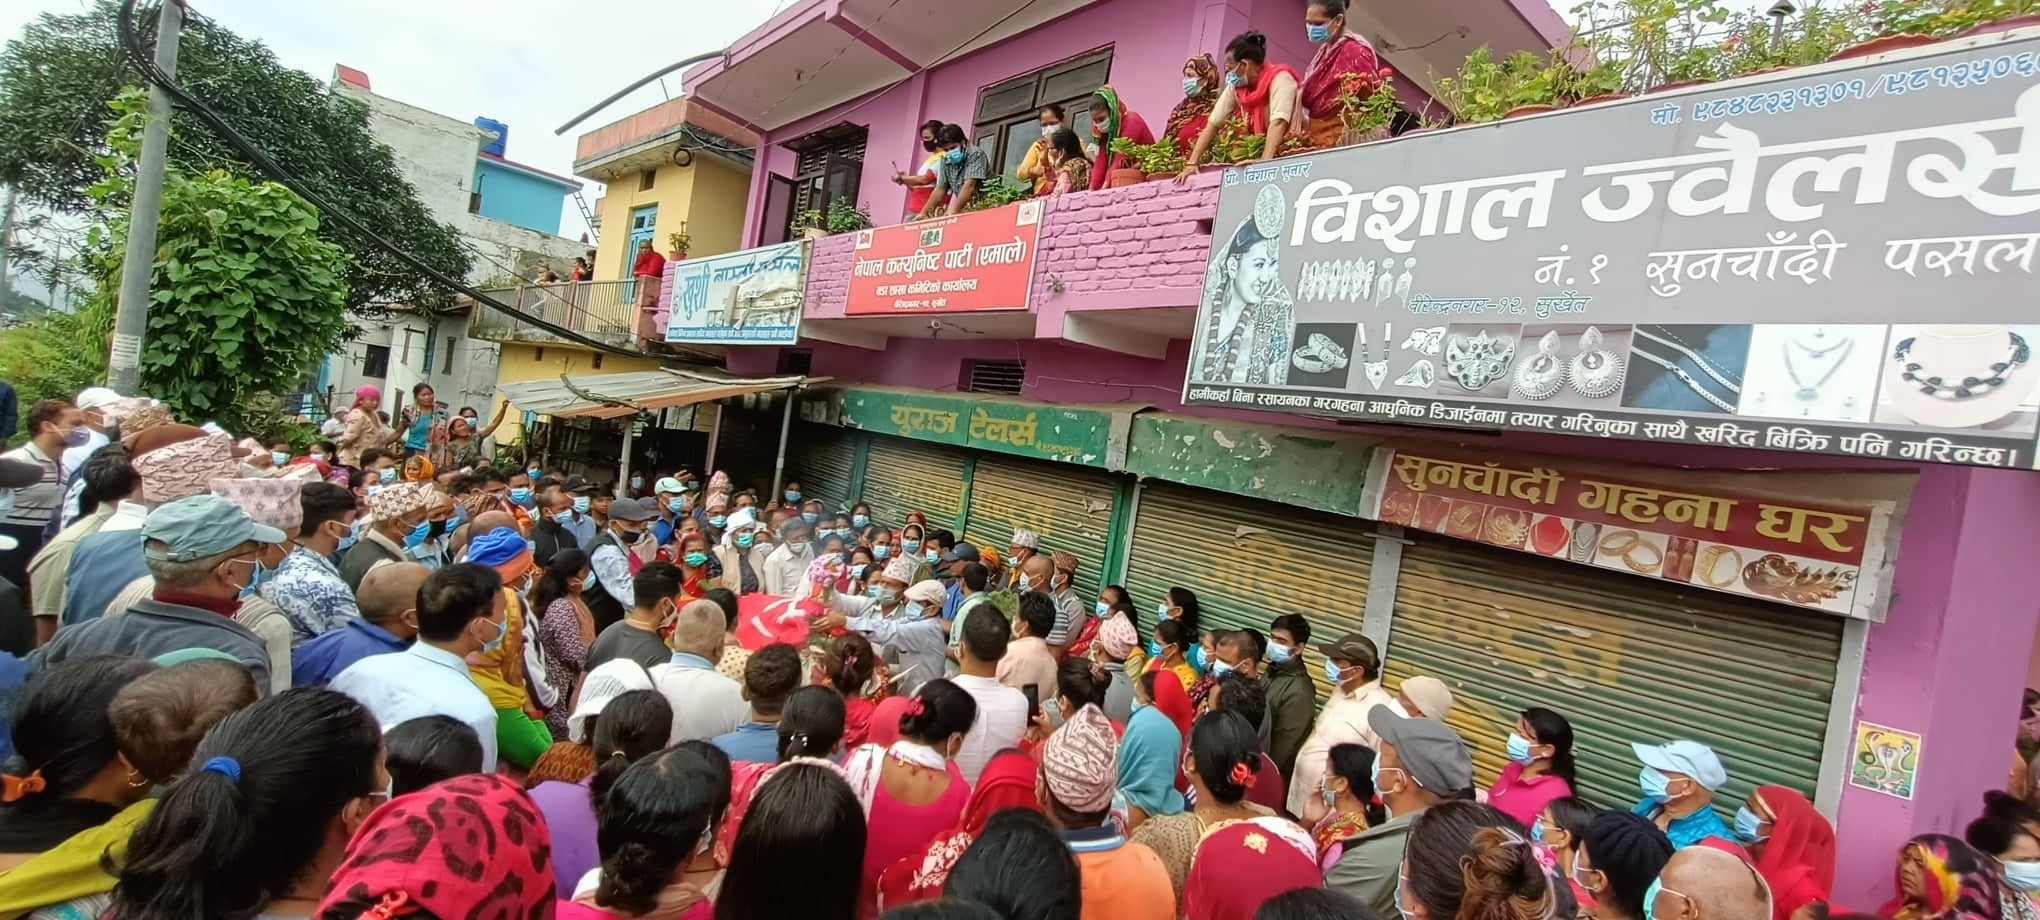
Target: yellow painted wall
<point>518,362</point>
<point>707,195</point>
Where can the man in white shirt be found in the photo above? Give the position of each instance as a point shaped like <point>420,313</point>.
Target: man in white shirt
<point>786,568</point>
<point>1001,710</point>
<point>91,403</point>
<point>705,703</point>
<point>461,612</point>
<point>1344,718</point>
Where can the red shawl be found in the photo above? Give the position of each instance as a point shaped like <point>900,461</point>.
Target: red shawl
<point>1007,782</point>
<point>1133,128</point>
<point>1346,54</point>
<point>1799,858</point>
<point>1254,100</point>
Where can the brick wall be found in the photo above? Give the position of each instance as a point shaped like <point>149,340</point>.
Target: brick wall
<point>828,276</point>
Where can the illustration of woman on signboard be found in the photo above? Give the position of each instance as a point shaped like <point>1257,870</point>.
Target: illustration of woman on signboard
<point>1248,318</point>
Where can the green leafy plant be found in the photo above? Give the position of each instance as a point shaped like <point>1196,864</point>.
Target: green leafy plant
<point>1943,18</point>
<point>680,239</point>
<point>1235,143</point>
<point>1152,159</point>
<point>810,219</point>
<point>1478,92</point>
<point>1657,41</point>
<point>49,358</point>
<point>245,298</point>
<point>846,217</point>
<point>1367,100</point>
<point>997,192</point>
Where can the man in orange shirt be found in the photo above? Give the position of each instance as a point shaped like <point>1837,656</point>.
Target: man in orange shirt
<point>1122,880</point>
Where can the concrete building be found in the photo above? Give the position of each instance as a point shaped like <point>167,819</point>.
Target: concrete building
<point>508,215</point>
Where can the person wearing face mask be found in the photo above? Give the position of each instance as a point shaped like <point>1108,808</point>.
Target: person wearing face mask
<point>691,554</point>
<point>53,425</point>
<point>1167,648</point>
<point>1353,666</point>
<point>2008,831</point>
<point>1704,882</point>
<point>1035,167</point>
<point>1794,847</point>
<point>742,556</point>
<point>1110,121</point>
<point>1620,855</point>
<point>915,632</point>
<point>388,623</point>
<point>964,169</point>
<point>1075,627</point>
<point>1540,767</point>
<point>912,544</point>
<point>1069,166</point>
<point>920,183</point>
<point>395,514</point>
<point>1419,763</point>
<point>811,511</point>
<point>1200,94</point>
<point>786,567</point>
<point>613,562</point>
<point>1340,51</point>
<point>461,613</point>
<point>1028,659</point>
<point>916,794</point>
<point>1678,781</point>
<point>1266,95</point>
<point>521,736</point>
<point>1292,695</point>
<point>549,531</point>
<point>582,522</point>
<point>1348,804</point>
<point>202,552</point>
<point>672,507</point>
<point>306,586</point>
<point>1024,546</point>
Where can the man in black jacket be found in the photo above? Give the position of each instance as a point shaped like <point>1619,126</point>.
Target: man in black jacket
<point>548,535</point>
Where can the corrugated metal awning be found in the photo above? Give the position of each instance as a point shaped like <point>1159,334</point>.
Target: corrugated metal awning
<point>618,395</point>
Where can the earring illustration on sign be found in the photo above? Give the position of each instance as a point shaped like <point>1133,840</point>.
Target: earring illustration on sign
<point>1543,374</point>
<point>1402,284</point>
<point>1382,281</point>
<point>1596,372</point>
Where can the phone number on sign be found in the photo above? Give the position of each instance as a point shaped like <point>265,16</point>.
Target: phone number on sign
<point>928,287</point>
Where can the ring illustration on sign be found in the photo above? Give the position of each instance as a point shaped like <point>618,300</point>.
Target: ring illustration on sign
<point>1541,375</point>
<point>1628,545</point>
<point>1420,375</point>
<point>1318,355</point>
<point>1710,564</point>
<point>1596,372</point>
<point>1476,361</point>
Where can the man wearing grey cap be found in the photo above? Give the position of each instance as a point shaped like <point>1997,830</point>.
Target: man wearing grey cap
<point>609,554</point>
<point>202,552</point>
<point>1420,763</point>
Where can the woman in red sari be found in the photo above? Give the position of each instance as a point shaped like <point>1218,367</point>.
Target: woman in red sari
<point>1200,93</point>
<point>1111,120</point>
<point>1794,847</point>
<point>1264,95</point>
<point>1340,51</point>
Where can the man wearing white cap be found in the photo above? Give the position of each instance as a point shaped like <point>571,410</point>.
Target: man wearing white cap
<point>741,553</point>
<point>904,620</point>
<point>91,403</point>
<point>1678,781</point>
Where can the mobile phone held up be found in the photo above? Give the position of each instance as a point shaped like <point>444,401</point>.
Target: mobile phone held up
<point>1033,694</point>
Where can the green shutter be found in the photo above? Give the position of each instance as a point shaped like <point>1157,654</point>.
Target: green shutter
<point>1623,658</point>
<point>1249,561</point>
<point>903,476</point>
<point>823,456</point>
<point>1069,507</point>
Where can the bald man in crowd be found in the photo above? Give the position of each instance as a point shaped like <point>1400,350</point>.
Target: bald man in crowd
<point>1701,881</point>
<point>388,623</point>
<point>483,523</point>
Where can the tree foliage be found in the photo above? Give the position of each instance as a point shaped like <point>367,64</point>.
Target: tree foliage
<point>43,358</point>
<point>246,297</point>
<point>56,79</point>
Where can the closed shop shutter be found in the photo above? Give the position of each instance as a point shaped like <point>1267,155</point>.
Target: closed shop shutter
<point>1248,562</point>
<point>822,459</point>
<point>1624,659</point>
<point>1069,507</point>
<point>902,476</point>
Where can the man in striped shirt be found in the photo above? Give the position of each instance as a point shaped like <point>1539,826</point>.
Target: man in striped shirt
<point>52,425</point>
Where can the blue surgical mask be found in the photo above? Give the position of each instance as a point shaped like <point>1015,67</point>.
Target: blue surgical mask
<point>676,505</point>
<point>279,457</point>
<point>746,540</point>
<point>810,516</point>
<point>563,517</point>
<point>589,582</point>
<point>347,542</point>
<point>845,532</point>
<point>2024,877</point>
<point>793,495</point>
<point>1154,649</point>
<point>1332,672</point>
<point>1162,610</point>
<point>871,590</point>
<point>521,496</point>
<point>696,558</point>
<point>1655,785</point>
<point>954,156</point>
<point>1219,668</point>
<point>261,574</point>
<point>1102,609</point>
<point>880,552</point>
<point>910,547</point>
<point>637,482</point>
<point>502,632</point>
<point>1190,85</point>
<point>533,473</point>
<point>718,520</point>
<point>1234,80</point>
<point>389,474</point>
<point>1518,748</point>
<point>1198,659</point>
<point>1650,898</point>
<point>1012,560</point>
<point>418,534</point>
<point>887,595</point>
<point>1279,654</point>
<point>1317,31</point>
<point>860,520</point>
<point>1537,830</point>
<point>1748,827</point>
<point>582,503</point>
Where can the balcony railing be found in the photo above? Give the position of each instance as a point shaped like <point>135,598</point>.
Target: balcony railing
<point>606,309</point>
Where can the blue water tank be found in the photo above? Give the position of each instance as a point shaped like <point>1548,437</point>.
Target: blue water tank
<point>502,132</point>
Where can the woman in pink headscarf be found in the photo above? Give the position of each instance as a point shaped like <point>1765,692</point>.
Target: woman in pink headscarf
<point>364,429</point>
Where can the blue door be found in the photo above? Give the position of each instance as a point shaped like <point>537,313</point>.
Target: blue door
<point>641,223</point>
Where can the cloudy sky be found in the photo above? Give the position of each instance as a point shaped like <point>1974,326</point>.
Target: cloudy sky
<point>529,64</point>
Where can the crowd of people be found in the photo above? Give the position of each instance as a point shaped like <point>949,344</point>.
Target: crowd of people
<point>351,682</point>
<point>1259,98</point>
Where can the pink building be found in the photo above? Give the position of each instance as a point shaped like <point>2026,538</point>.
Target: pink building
<point>1888,700</point>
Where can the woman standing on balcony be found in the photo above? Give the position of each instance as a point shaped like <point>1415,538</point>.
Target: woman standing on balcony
<point>1111,120</point>
<point>1264,95</point>
<point>1340,51</point>
<point>649,268</point>
<point>1200,93</point>
<point>921,182</point>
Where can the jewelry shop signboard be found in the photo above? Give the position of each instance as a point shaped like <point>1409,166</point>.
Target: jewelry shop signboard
<point>980,260</point>
<point>1837,259</point>
<point>751,297</point>
<point>1821,555</point>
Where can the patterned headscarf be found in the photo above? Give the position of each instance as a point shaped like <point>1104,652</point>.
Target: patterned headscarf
<point>1117,637</point>
<point>273,502</point>
<point>901,569</point>
<point>1114,113</point>
<point>1241,864</point>
<point>472,846</point>
<point>1079,762</point>
<point>1198,104</point>
<point>1026,539</point>
<point>140,420</point>
<point>1957,882</point>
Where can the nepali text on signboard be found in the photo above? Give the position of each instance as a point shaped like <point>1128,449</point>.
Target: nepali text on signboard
<point>981,260</point>
<point>1070,435</point>
<point>751,297</point>
<point>1838,260</point>
<point>1803,554</point>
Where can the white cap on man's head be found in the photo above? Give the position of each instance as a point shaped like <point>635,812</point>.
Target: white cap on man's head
<point>1687,758</point>
<point>97,397</point>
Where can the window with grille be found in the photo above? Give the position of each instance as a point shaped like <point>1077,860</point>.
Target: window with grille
<point>1003,377</point>
<point>1008,113</point>
<point>446,365</point>
<point>375,361</point>
<point>646,180</point>
<point>829,168</point>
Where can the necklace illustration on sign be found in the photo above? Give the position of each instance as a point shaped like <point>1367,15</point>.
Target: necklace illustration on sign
<point>1938,385</point>
<point>1817,349</point>
<point>1596,372</point>
<point>1542,375</point>
<point>1474,362</point>
<point>1671,366</point>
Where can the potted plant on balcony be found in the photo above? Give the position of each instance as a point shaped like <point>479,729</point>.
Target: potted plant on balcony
<point>1367,106</point>
<point>679,240</point>
<point>1132,175</point>
<point>997,192</point>
<point>846,217</point>
<point>810,224</point>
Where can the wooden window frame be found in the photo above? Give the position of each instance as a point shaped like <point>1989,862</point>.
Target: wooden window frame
<point>993,120</point>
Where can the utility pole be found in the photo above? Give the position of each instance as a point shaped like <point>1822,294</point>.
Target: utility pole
<point>131,319</point>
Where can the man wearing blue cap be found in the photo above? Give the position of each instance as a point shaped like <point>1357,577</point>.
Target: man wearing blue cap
<point>1678,781</point>
<point>202,553</point>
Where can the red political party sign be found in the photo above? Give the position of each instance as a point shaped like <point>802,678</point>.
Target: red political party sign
<point>982,260</point>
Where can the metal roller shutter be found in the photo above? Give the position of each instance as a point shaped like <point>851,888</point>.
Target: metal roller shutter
<point>1249,562</point>
<point>823,457</point>
<point>1624,659</point>
<point>902,476</point>
<point>1069,507</point>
